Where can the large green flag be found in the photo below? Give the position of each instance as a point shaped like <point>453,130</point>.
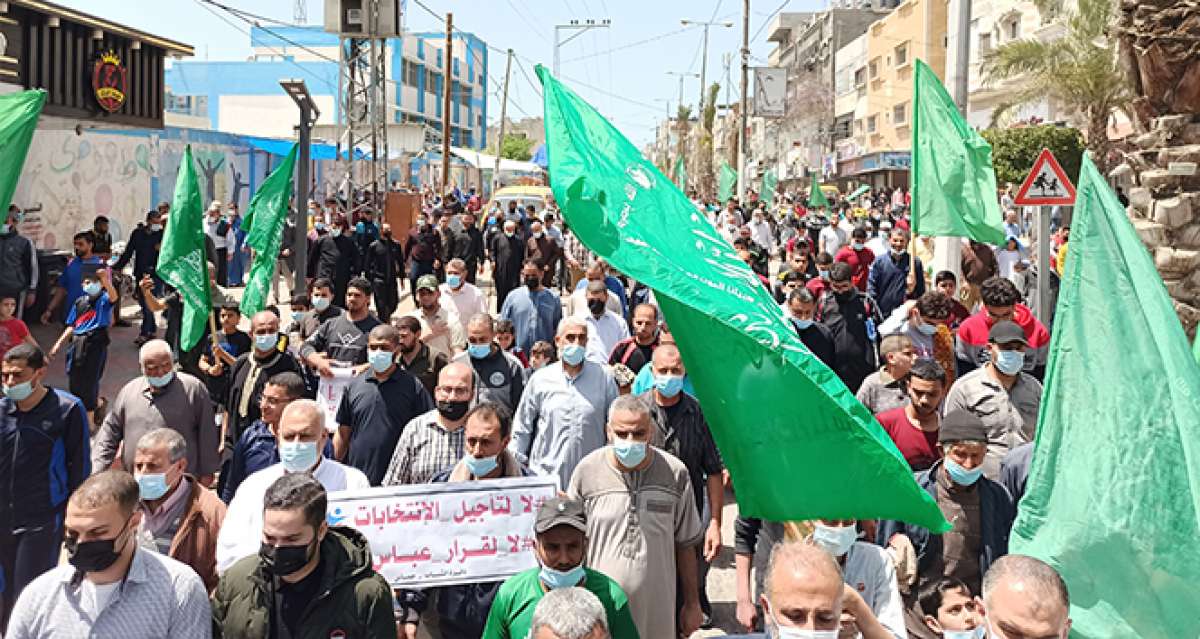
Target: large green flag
<point>681,175</point>
<point>1196,347</point>
<point>1114,488</point>
<point>768,187</point>
<point>18,118</point>
<point>182,262</point>
<point>830,459</point>
<point>265,220</point>
<point>816,197</point>
<point>953,184</point>
<point>726,182</point>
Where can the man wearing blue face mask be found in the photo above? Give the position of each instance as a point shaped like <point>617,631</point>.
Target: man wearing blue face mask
<point>869,572</point>
<point>1001,394</point>
<point>680,429</point>
<point>500,375</point>
<point>979,510</point>
<point>801,306</point>
<point>301,436</point>
<point>180,518</point>
<point>918,321</point>
<point>561,529</point>
<point>643,524</point>
<point>376,406</point>
<point>250,373</point>
<point>87,331</point>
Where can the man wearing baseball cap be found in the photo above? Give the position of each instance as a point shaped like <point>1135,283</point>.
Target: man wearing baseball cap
<point>441,328</point>
<point>1001,394</point>
<point>979,510</point>
<point>561,532</point>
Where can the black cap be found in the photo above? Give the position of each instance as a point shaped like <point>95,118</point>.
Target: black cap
<point>961,426</point>
<point>560,511</point>
<point>793,276</point>
<point>1006,332</point>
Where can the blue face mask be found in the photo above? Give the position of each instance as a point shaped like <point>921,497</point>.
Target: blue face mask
<point>629,453</point>
<point>573,354</point>
<point>266,342</point>
<point>152,486</point>
<point>962,476</point>
<point>927,329</point>
<point>823,274</point>
<point>980,632</point>
<point>161,380</point>
<point>668,385</point>
<point>802,324</point>
<point>320,303</point>
<point>380,360</point>
<point>453,281</point>
<point>555,579</point>
<point>836,540</point>
<point>296,315</point>
<point>92,288</point>
<point>19,392</point>
<point>479,351</point>
<point>298,457</point>
<point>1010,362</point>
<point>480,466</point>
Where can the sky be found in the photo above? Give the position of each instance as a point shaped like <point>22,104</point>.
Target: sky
<point>621,70</point>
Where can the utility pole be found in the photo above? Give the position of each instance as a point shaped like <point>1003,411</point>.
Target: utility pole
<point>579,28</point>
<point>447,82</point>
<point>682,76</point>
<point>503,121</point>
<point>947,251</point>
<point>741,168</point>
<point>704,52</point>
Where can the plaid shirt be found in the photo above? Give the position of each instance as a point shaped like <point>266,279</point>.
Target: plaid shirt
<point>425,449</point>
<point>575,250</point>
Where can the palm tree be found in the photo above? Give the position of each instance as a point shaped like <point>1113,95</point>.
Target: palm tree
<point>1078,71</point>
<point>682,125</point>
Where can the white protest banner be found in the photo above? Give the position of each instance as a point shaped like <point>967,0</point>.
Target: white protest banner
<point>329,394</point>
<point>447,533</point>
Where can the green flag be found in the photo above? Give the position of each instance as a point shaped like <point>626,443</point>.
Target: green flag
<point>18,118</point>
<point>726,183</point>
<point>816,197</point>
<point>265,220</point>
<point>768,187</point>
<point>858,192</point>
<point>1114,487</point>
<point>182,262</point>
<point>953,184</point>
<point>681,175</point>
<point>1196,347</point>
<point>835,460</point>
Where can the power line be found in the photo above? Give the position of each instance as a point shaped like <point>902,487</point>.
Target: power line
<point>768,20</point>
<point>631,45</point>
<point>233,26</point>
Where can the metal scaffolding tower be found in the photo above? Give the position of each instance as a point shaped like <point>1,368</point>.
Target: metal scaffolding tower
<point>362,122</point>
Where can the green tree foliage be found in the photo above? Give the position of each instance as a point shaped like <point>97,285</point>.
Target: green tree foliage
<point>516,147</point>
<point>1015,150</point>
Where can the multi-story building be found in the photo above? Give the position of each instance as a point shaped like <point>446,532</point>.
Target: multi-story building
<point>850,106</point>
<point>245,97</point>
<point>916,29</point>
<point>806,45</point>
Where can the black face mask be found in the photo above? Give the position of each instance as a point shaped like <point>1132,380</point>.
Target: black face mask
<point>282,561</point>
<point>93,556</point>
<point>596,307</point>
<point>452,410</point>
<point>844,297</point>
<point>532,282</point>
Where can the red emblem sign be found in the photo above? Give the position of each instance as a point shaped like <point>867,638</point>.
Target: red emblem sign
<point>109,82</point>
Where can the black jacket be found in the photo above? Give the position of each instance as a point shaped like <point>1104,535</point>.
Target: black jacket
<point>143,247</point>
<point>354,600</point>
<point>18,263</point>
<point>337,258</point>
<point>852,323</point>
<point>468,246</point>
<point>384,261</point>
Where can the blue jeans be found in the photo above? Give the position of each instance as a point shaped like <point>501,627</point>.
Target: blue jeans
<point>149,325</point>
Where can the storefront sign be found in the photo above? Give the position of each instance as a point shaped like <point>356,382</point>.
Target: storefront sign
<point>109,81</point>
<point>445,534</point>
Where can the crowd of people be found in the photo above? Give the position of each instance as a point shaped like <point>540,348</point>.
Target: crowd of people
<point>193,503</point>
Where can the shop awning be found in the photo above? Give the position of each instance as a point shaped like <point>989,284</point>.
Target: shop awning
<point>283,147</point>
<point>485,161</point>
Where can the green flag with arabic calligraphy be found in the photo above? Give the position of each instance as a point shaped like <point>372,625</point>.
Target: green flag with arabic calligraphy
<point>182,262</point>
<point>265,220</point>
<point>18,118</point>
<point>831,460</point>
<point>681,176</point>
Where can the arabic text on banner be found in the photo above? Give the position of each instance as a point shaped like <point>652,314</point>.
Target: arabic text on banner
<point>446,534</point>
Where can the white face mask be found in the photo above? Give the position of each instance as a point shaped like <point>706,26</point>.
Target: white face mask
<point>775,630</point>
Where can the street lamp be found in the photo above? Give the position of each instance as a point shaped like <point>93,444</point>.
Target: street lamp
<point>298,91</point>
<point>683,76</point>
<point>704,53</point>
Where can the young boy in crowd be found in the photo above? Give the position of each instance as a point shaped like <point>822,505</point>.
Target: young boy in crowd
<point>13,330</point>
<point>87,329</point>
<point>507,339</point>
<point>540,354</point>
<point>233,342</point>
<point>951,612</point>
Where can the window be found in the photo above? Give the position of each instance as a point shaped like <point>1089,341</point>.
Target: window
<point>900,114</point>
<point>1012,28</point>
<point>431,81</point>
<point>902,55</point>
<point>985,43</point>
<point>860,77</point>
<point>412,73</point>
<point>873,69</point>
<point>871,123</point>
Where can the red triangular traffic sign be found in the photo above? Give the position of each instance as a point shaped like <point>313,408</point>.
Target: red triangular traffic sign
<point>1047,184</point>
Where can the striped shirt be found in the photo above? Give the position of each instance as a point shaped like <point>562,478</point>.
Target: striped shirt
<point>425,449</point>
<point>159,597</point>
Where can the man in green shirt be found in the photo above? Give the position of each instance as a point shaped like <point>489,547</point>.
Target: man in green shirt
<point>561,529</point>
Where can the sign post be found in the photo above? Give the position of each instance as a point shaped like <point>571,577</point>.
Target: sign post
<point>1047,185</point>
